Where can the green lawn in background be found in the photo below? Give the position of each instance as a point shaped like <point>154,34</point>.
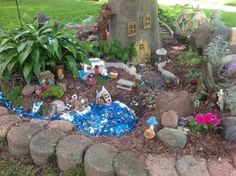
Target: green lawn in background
<point>65,11</point>
<point>73,11</point>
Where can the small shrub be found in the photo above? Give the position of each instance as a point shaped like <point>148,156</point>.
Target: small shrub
<point>53,91</point>
<point>111,51</point>
<point>205,123</point>
<point>216,50</point>
<point>189,58</point>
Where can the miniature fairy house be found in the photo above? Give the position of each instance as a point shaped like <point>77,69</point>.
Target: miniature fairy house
<point>136,22</point>
<point>46,78</point>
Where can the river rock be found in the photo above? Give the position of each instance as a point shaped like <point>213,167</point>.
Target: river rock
<point>172,137</point>
<point>169,119</point>
<point>180,102</point>
<point>70,151</point>
<point>190,166</point>
<point>60,106</point>
<point>229,128</point>
<point>98,160</point>
<point>61,125</point>
<point>27,90</point>
<point>3,111</point>
<point>221,168</point>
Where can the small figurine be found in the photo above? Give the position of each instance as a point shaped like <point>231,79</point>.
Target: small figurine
<point>221,97</point>
<point>60,73</point>
<point>104,73</point>
<point>36,107</point>
<point>103,96</point>
<point>91,80</point>
<point>150,133</point>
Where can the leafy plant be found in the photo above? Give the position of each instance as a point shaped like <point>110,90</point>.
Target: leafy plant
<point>206,123</point>
<point>165,16</point>
<point>216,50</point>
<point>189,19</point>
<point>32,50</point>
<point>111,51</point>
<point>230,101</point>
<point>53,91</point>
<point>189,58</point>
<point>190,75</point>
<point>215,19</point>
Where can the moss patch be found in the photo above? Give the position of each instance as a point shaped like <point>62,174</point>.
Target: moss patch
<point>53,91</point>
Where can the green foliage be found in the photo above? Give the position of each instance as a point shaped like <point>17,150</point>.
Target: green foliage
<point>53,91</point>
<point>111,51</point>
<point>216,50</point>
<point>166,17</point>
<point>190,75</point>
<point>102,81</point>
<point>197,128</point>
<point>189,58</point>
<point>230,100</point>
<point>32,50</point>
<point>216,19</point>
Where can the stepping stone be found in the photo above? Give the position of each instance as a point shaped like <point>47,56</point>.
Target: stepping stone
<point>42,145</point>
<point>6,122</point>
<point>222,168</point>
<point>172,137</point>
<point>70,151</point>
<point>161,166</point>
<point>190,166</point>
<point>18,138</point>
<point>127,164</point>
<point>98,160</point>
<point>61,125</point>
<point>3,111</point>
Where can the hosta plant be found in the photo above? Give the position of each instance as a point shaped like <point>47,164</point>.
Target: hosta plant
<point>30,50</point>
<point>205,123</point>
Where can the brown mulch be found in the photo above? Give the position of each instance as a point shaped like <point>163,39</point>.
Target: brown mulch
<point>207,146</point>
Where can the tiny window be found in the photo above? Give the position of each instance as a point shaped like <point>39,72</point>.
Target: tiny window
<point>147,22</point>
<point>141,46</point>
<point>132,29</point>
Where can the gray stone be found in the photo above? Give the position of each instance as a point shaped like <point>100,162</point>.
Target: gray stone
<point>60,106</point>
<point>6,122</point>
<point>233,48</point>
<point>39,122</point>
<point>221,168</point>
<point>127,164</point>
<point>200,38</point>
<point>189,165</point>
<point>27,90</point>
<point>169,119</point>
<point>172,137</point>
<point>127,11</point>
<point>161,166</point>
<point>98,160</point>
<point>180,102</point>
<point>70,151</point>
<point>222,31</point>
<point>42,145</point>
<point>18,138</point>
<point>92,38</point>
<point>229,128</point>
<point>3,111</point>
<point>61,125</point>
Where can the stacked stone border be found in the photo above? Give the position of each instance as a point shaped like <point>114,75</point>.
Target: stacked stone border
<point>43,139</point>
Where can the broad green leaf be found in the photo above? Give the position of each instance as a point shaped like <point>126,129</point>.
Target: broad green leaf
<point>37,69</point>
<point>11,65</point>
<point>54,44</point>
<point>52,63</point>
<point>84,58</point>
<point>27,69</point>
<point>72,65</point>
<point>21,34</point>
<point>4,64</point>
<point>4,41</point>
<point>25,53</point>
<point>5,47</point>
<point>35,56</point>
<point>22,46</point>
<point>70,48</point>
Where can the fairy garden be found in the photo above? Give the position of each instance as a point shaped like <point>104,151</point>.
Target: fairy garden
<point>126,80</point>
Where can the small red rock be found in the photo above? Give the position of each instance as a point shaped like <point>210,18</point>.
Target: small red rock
<point>194,82</point>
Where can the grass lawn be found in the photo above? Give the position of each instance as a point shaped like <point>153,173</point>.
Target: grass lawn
<point>73,11</point>
<point>226,2</point>
<point>228,17</point>
<point>65,11</point>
